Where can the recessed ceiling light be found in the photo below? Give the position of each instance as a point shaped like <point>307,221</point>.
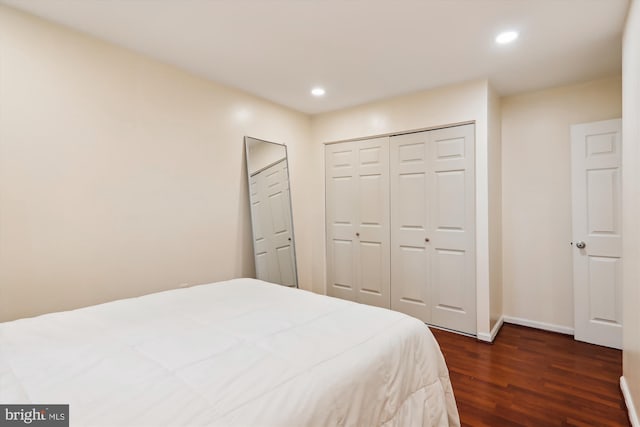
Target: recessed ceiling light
<point>318,91</point>
<point>506,37</point>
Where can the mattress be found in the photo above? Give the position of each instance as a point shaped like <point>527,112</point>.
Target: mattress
<point>236,353</point>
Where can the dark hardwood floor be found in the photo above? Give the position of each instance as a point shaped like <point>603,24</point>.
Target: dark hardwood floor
<point>529,377</point>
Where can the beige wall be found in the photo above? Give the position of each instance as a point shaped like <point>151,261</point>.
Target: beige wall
<point>121,176</point>
<point>536,197</point>
<point>495,205</point>
<point>631,201</point>
<point>427,109</point>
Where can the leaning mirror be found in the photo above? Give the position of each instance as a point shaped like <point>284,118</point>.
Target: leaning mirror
<point>271,218</point>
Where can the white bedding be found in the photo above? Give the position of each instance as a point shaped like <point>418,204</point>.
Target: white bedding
<point>236,353</point>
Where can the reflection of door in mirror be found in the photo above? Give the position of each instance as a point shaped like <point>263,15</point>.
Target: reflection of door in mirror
<point>270,201</point>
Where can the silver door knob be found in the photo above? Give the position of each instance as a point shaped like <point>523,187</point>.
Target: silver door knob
<point>581,245</point>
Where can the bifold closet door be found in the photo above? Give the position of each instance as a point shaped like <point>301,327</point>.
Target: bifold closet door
<point>432,226</point>
<point>410,249</point>
<point>357,210</point>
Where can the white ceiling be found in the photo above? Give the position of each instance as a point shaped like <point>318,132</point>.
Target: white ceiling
<point>359,50</point>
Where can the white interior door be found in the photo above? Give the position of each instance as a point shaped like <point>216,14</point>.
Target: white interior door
<point>357,210</point>
<point>341,218</point>
<point>597,246</point>
<point>410,249</point>
<point>272,225</point>
<point>432,227</point>
<point>372,225</point>
<point>452,228</point>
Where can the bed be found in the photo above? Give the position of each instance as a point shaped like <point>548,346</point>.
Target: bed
<point>236,353</point>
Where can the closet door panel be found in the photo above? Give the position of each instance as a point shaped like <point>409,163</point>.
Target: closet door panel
<point>410,285</point>
<point>453,293</point>
<point>449,276</point>
<point>342,248</point>
<point>410,252</point>
<point>343,274</point>
<point>372,270</point>
<point>449,199</point>
<point>372,231</point>
<point>342,211</point>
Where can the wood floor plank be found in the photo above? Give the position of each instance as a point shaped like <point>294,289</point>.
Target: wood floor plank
<point>529,377</point>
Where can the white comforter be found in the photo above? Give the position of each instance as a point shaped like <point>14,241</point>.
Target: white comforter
<point>236,353</point>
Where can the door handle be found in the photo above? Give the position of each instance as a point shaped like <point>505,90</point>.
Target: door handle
<point>581,245</point>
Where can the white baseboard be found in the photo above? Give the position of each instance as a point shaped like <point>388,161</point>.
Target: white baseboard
<point>628,400</point>
<point>538,325</point>
<point>494,331</point>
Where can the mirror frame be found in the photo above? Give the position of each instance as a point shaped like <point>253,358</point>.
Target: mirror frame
<point>249,174</point>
